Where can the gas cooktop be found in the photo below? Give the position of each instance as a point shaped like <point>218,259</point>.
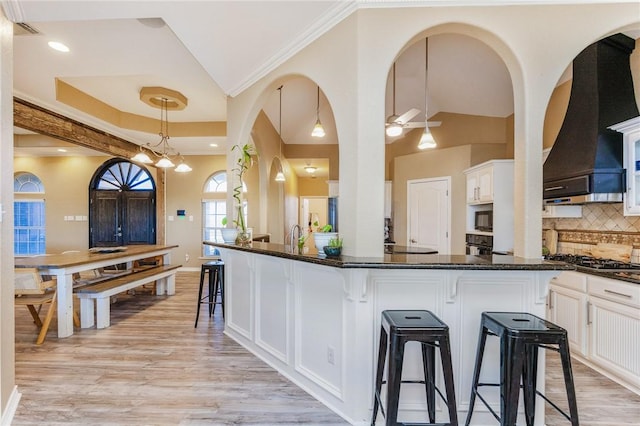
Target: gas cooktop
<point>594,263</point>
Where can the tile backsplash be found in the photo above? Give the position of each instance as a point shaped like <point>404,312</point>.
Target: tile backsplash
<point>600,223</point>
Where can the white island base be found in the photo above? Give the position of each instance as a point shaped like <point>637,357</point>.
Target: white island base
<point>319,325</point>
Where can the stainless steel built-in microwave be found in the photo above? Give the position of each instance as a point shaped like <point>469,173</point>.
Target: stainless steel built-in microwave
<point>484,221</point>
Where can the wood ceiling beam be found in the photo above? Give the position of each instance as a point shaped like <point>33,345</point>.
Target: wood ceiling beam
<point>40,120</point>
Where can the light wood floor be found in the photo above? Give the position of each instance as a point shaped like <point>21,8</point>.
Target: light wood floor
<point>151,367</point>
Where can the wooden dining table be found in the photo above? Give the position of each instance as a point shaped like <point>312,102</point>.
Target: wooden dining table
<point>63,266</point>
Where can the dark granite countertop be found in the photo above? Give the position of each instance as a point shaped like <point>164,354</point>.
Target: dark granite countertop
<point>403,260</point>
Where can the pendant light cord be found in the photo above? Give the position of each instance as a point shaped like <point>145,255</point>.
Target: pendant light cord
<point>280,124</point>
<point>426,73</point>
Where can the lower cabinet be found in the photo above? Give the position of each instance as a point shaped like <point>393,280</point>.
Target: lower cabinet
<point>568,309</point>
<point>602,319</point>
<point>615,338</point>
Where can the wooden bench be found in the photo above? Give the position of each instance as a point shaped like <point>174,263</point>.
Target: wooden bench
<point>102,291</point>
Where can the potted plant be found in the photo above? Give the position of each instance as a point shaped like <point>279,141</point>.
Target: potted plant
<point>244,163</point>
<point>229,235</point>
<point>322,236</point>
<point>334,248</point>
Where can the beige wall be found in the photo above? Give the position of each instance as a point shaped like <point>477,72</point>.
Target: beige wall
<point>66,184</point>
<point>185,192</point>
<point>439,163</point>
<point>313,187</point>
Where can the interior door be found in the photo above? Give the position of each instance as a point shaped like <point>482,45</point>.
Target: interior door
<point>138,217</point>
<point>105,219</point>
<point>428,213</point>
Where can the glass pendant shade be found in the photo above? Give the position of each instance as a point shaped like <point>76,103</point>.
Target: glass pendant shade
<point>142,157</point>
<point>279,177</point>
<point>183,168</point>
<point>165,163</point>
<point>427,141</point>
<point>318,130</point>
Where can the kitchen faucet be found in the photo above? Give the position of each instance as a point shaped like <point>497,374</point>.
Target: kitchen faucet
<point>293,240</point>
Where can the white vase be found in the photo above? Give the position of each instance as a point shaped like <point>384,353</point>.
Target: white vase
<point>321,239</point>
<point>229,235</point>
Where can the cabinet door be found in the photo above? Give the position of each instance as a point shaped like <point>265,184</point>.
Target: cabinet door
<point>632,159</point>
<point>567,308</point>
<point>472,188</point>
<point>485,185</point>
<point>614,337</point>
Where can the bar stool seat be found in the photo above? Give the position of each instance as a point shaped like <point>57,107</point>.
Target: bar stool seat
<point>521,335</point>
<point>215,295</point>
<point>398,328</point>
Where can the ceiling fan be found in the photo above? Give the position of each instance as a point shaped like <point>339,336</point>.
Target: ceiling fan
<point>395,124</point>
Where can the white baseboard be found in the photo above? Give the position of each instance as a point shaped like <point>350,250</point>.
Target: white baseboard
<point>12,406</point>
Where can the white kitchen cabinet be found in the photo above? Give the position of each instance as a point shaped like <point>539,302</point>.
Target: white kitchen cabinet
<point>602,319</point>
<point>480,184</point>
<point>387,198</point>
<point>614,339</point>
<point>567,307</point>
<point>334,187</point>
<point>490,187</point>
<point>631,142</point>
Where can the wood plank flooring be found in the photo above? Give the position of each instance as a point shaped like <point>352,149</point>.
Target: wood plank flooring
<point>151,367</point>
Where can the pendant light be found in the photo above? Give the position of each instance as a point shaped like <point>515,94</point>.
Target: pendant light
<point>318,130</point>
<point>162,149</point>
<point>280,174</point>
<point>426,140</point>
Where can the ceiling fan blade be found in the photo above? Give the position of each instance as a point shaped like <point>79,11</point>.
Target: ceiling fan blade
<point>418,124</point>
<point>407,116</point>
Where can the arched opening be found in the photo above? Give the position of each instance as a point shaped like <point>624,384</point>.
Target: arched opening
<point>122,205</point>
<point>283,135</point>
<point>461,89</point>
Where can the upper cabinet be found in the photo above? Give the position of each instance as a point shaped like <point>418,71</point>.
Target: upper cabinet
<point>490,188</point>
<point>631,140</point>
<point>484,179</point>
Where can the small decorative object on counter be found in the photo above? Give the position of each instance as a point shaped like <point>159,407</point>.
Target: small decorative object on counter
<point>334,248</point>
<point>322,236</point>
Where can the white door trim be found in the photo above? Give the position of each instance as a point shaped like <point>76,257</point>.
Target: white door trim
<point>447,179</point>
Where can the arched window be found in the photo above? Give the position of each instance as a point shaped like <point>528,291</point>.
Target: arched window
<point>124,176</point>
<point>29,215</point>
<point>214,209</point>
<point>27,182</point>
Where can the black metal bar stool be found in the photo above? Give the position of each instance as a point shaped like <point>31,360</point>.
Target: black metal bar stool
<point>398,328</point>
<point>215,271</point>
<point>521,334</point>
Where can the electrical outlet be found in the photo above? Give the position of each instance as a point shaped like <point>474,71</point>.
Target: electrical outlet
<point>186,257</point>
<point>331,355</point>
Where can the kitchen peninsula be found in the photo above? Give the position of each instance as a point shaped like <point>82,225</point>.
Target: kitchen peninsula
<point>317,320</point>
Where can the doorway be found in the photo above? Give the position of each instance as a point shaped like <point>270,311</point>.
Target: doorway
<point>428,213</point>
<point>122,205</point>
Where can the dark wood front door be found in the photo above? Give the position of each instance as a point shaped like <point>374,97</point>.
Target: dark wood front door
<point>122,208</point>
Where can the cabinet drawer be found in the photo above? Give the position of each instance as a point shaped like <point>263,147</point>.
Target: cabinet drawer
<point>614,290</point>
<point>573,280</point>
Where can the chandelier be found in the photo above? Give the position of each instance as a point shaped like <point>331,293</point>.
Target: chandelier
<point>162,150</point>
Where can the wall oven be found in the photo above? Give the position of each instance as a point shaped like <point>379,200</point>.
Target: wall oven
<point>479,244</point>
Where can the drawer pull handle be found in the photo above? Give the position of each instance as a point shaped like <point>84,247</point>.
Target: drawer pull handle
<point>628,296</point>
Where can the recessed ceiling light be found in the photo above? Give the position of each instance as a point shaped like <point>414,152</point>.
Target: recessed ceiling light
<point>58,46</point>
<point>213,145</point>
<point>62,150</point>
